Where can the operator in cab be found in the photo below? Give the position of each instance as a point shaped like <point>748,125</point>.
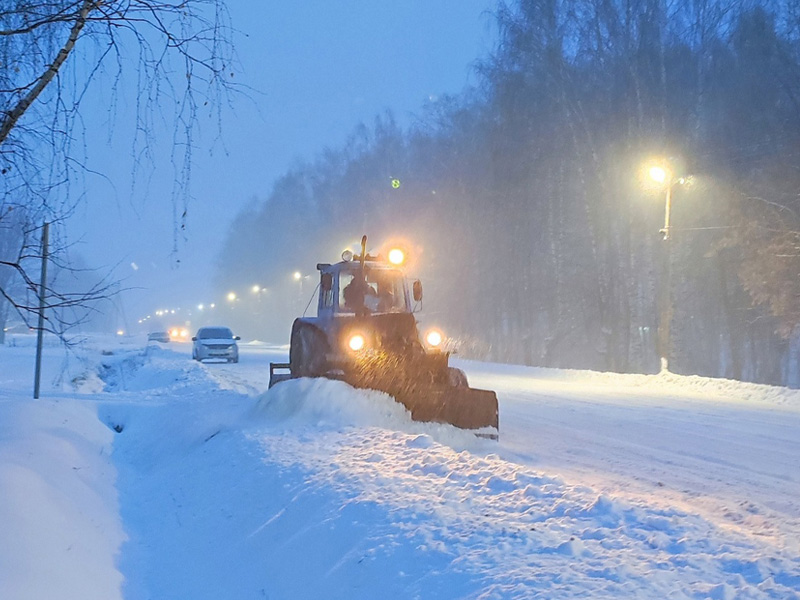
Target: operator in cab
<point>359,296</point>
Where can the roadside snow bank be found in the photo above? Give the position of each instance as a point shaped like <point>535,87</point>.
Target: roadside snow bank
<point>58,503</point>
<point>524,378</point>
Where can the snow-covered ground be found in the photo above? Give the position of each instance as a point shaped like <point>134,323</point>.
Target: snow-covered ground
<point>141,474</point>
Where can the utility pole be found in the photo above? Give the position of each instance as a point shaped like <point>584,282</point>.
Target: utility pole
<point>42,297</point>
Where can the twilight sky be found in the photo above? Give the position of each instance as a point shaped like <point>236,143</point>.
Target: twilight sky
<point>318,68</point>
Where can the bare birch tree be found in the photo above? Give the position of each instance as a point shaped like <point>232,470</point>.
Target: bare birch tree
<point>173,56</point>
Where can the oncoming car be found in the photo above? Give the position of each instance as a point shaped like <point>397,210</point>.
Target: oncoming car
<point>215,342</point>
<point>178,334</point>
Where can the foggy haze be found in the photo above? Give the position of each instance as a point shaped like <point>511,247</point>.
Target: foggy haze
<point>608,188</point>
<point>314,72</point>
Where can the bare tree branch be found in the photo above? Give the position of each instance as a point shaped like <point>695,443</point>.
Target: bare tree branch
<point>13,115</point>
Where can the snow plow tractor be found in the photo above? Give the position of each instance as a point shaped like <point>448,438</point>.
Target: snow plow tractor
<point>365,334</point>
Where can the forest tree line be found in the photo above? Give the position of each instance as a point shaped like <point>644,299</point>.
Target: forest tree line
<point>537,237</point>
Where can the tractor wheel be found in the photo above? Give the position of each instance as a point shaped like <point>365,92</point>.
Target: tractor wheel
<point>457,377</point>
<point>307,353</point>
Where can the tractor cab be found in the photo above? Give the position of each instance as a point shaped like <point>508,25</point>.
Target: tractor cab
<point>365,287</point>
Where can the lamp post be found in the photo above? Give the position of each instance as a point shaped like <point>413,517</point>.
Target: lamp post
<point>232,298</point>
<point>663,176</point>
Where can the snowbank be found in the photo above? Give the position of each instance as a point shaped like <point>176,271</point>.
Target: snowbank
<point>58,503</point>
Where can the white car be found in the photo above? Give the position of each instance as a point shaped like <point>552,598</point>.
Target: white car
<point>158,336</point>
<point>215,342</point>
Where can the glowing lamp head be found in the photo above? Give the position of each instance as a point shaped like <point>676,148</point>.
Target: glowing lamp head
<point>434,338</point>
<point>347,255</point>
<point>658,174</point>
<point>356,342</point>
<point>231,296</point>
<point>396,256</point>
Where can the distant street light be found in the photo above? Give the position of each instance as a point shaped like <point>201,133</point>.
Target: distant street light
<point>231,296</point>
<point>300,278</point>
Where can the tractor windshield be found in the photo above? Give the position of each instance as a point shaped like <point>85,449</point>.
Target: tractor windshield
<point>383,291</point>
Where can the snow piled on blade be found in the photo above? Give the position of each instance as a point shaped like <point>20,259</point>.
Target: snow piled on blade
<point>326,404</point>
<point>330,403</point>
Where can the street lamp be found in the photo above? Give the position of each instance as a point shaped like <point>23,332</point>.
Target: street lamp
<point>664,178</point>
<point>258,291</point>
<point>300,278</point>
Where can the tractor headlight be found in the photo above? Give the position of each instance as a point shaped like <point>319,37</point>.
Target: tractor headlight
<point>396,256</point>
<point>434,338</point>
<point>356,342</point>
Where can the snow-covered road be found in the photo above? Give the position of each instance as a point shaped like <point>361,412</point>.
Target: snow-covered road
<point>726,449</point>
<point>601,486</point>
